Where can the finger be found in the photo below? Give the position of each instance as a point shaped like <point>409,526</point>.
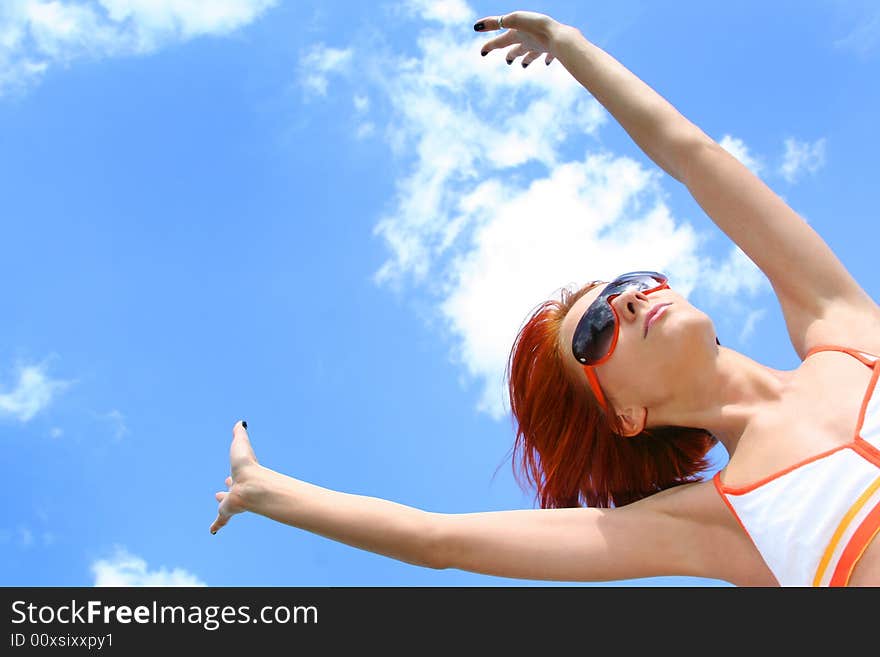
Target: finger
<point>549,58</point>
<point>228,482</point>
<point>219,521</point>
<point>490,23</point>
<point>219,495</point>
<point>513,53</point>
<point>530,57</point>
<point>502,41</point>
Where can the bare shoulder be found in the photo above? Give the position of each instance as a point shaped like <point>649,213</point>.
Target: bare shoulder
<point>701,535</point>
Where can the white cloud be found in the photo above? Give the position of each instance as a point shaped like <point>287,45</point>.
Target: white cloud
<point>365,130</point>
<point>156,20</point>
<point>750,323</point>
<point>740,151</point>
<point>737,273</point>
<point>464,120</point>
<point>125,569</point>
<point>493,213</point>
<point>864,37</point>
<point>38,34</point>
<point>361,103</point>
<point>32,393</point>
<point>802,156</point>
<point>116,420</point>
<point>25,537</point>
<point>444,11</point>
<point>318,63</point>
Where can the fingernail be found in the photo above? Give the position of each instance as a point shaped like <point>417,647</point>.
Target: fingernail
<point>509,61</point>
<point>484,53</point>
<point>244,424</point>
<point>213,532</point>
<point>479,26</point>
<point>547,63</point>
<point>524,65</point>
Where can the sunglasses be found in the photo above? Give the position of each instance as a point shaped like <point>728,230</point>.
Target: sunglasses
<point>598,329</point>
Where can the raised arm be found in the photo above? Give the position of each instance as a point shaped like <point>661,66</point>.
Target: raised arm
<point>820,300</point>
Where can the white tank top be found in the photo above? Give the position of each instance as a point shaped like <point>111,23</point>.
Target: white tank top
<point>813,520</point>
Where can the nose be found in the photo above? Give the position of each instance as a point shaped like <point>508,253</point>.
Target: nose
<point>631,304</point>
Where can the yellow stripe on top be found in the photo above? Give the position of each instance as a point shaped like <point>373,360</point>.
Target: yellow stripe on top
<point>841,529</point>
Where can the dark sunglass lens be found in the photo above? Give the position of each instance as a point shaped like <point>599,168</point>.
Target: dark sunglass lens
<point>593,335</point>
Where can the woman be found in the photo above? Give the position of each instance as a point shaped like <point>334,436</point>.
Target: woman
<point>620,389</point>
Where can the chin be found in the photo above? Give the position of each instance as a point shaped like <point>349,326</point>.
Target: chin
<point>695,329</point>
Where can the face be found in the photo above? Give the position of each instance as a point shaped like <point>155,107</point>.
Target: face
<point>640,362</point>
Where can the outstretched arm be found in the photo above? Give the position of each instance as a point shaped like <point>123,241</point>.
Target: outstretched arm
<point>669,533</point>
<point>820,300</point>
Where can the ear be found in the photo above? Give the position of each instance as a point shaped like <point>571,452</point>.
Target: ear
<point>633,421</point>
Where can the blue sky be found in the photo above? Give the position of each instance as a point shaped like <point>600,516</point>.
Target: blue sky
<point>329,219</point>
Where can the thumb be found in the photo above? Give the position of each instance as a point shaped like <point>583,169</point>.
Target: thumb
<point>241,450</point>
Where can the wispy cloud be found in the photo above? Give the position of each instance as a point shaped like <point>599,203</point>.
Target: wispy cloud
<point>32,392</point>
<point>802,157</point>
<point>864,37</point>
<point>751,322</point>
<point>493,212</point>
<point>116,421</point>
<point>38,34</point>
<point>453,12</point>
<point>361,102</point>
<point>739,149</point>
<point>26,537</point>
<point>126,569</point>
<point>735,274</point>
<point>317,65</point>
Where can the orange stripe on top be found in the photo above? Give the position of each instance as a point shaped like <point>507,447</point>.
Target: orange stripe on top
<point>720,488</point>
<point>867,451</point>
<point>859,355</point>
<point>856,547</point>
<point>741,490</point>
<point>841,528</point>
<point>866,402</point>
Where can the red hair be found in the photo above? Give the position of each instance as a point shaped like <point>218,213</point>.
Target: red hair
<point>570,451</point>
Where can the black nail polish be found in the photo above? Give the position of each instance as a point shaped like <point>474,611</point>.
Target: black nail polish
<point>244,424</point>
<point>213,532</point>
<point>484,53</point>
<point>479,26</point>
<point>509,61</point>
<point>524,65</point>
<point>547,63</point>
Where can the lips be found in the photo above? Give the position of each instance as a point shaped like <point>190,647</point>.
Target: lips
<point>651,313</point>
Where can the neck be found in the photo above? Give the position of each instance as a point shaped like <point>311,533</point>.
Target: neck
<point>723,398</point>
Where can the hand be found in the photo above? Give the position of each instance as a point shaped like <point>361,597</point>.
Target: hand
<point>243,470</point>
<point>531,35</point>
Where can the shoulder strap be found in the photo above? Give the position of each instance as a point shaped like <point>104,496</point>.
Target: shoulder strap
<point>864,358</point>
